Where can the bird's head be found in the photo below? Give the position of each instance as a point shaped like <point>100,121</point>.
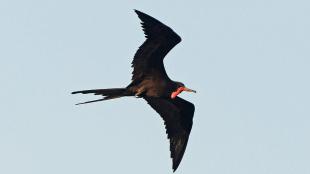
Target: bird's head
<point>180,87</point>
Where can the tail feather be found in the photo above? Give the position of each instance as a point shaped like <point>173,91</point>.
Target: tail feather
<point>107,93</point>
<point>90,101</point>
<point>104,92</point>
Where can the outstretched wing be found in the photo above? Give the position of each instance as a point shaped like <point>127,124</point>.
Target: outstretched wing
<point>178,117</point>
<point>148,60</point>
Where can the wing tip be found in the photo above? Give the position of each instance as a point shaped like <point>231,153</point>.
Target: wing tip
<point>139,13</point>
<point>177,148</point>
<point>148,24</point>
<point>174,168</point>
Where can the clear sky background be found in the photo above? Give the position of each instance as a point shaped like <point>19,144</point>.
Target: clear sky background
<point>248,60</point>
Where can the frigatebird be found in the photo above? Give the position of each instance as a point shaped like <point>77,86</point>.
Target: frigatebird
<point>151,82</point>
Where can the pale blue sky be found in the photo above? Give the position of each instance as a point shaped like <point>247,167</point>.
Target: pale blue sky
<point>248,60</point>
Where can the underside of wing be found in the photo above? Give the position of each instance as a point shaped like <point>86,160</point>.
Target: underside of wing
<point>178,117</point>
<point>148,60</point>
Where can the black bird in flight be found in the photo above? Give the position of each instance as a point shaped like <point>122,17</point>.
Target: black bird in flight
<point>151,82</point>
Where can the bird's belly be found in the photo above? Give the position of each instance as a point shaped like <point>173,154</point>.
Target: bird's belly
<point>158,89</point>
<point>151,88</point>
<point>154,93</point>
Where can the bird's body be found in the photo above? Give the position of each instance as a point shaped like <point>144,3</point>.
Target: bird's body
<point>151,82</point>
<point>152,88</point>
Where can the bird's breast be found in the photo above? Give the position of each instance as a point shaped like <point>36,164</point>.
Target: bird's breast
<point>152,88</point>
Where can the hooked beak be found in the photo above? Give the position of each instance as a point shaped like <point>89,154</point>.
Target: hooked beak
<point>189,90</point>
<point>179,90</point>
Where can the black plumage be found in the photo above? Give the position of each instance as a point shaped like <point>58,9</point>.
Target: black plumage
<point>151,82</point>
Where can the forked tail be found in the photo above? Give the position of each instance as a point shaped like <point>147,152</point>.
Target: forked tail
<point>107,93</point>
